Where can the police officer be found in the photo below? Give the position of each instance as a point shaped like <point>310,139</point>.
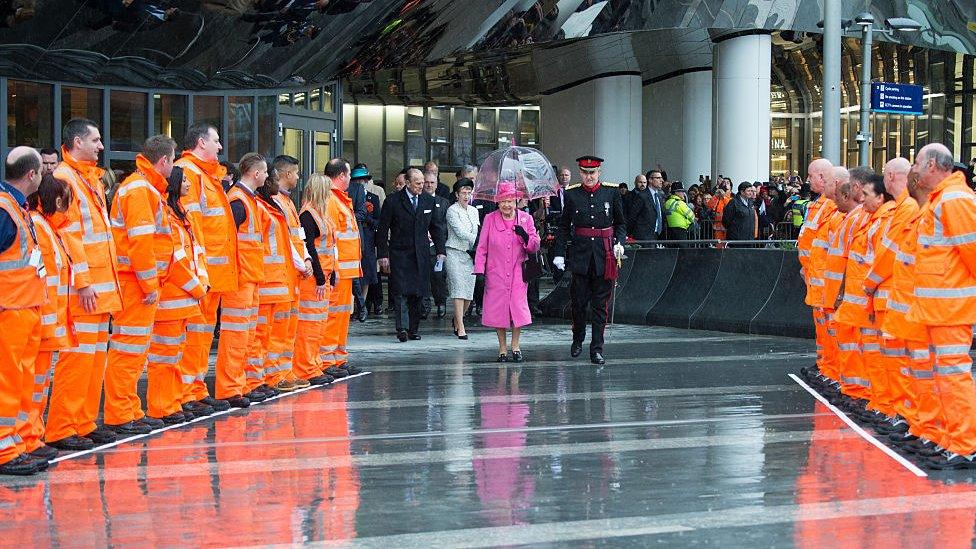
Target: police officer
<point>593,222</point>
<point>798,208</point>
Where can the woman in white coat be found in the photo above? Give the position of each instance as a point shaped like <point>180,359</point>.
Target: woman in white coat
<point>462,235</point>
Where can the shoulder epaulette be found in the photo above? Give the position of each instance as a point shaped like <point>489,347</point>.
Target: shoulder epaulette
<point>614,185</point>
<point>573,186</point>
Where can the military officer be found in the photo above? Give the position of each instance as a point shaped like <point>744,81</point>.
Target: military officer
<point>594,226</point>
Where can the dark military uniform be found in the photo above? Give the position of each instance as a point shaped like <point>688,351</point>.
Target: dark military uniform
<point>592,222</point>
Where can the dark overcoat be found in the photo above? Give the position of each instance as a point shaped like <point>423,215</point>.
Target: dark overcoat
<point>404,237</point>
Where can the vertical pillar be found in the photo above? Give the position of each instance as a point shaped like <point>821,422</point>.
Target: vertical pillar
<point>601,117</point>
<point>831,81</point>
<point>696,140</point>
<point>741,108</point>
<point>678,126</point>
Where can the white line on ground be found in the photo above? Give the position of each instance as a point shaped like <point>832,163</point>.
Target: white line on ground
<point>195,420</point>
<point>857,429</point>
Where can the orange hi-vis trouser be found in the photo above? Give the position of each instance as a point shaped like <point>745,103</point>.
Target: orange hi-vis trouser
<point>874,368</point>
<point>335,332</point>
<point>829,366</point>
<point>280,340</point>
<point>820,333</point>
<point>127,350</point>
<point>18,355</point>
<point>78,377</point>
<point>33,431</point>
<point>898,391</point>
<point>921,406</point>
<point>196,353</point>
<point>164,394</point>
<point>854,381</point>
<point>238,322</point>
<point>311,318</point>
<point>954,385</point>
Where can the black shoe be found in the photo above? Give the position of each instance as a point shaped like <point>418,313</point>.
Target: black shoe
<point>441,312</point>
<point>197,409</point>
<point>414,337</point>
<point>402,336</point>
<point>950,460</point>
<point>21,465</point>
<point>256,396</point>
<point>362,315</point>
<point>238,402</point>
<point>323,379</point>
<point>129,429</point>
<point>576,349</point>
<point>102,435</point>
<point>41,463</point>
<point>425,314</point>
<point>902,438</point>
<point>502,357</point>
<point>175,418</point>
<point>517,356</point>
<point>336,372</point>
<point>152,422</point>
<point>45,452</point>
<point>217,405</point>
<point>352,370</point>
<point>268,390</point>
<point>596,357</point>
<point>74,443</point>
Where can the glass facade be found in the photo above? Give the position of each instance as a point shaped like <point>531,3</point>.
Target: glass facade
<point>240,126</point>
<point>128,127</point>
<point>80,103</point>
<point>30,116</point>
<point>170,116</point>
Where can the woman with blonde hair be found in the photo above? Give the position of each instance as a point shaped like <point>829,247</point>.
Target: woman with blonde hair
<point>313,304</point>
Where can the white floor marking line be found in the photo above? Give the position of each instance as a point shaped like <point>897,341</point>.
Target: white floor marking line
<point>857,429</point>
<point>194,420</point>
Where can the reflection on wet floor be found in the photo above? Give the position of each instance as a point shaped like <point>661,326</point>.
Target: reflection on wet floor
<point>684,437</point>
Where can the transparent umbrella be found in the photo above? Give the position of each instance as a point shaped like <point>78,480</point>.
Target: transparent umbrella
<point>528,168</point>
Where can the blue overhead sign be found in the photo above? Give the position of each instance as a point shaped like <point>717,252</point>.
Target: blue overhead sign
<point>896,98</point>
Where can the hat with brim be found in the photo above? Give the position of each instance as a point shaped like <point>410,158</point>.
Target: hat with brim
<point>360,172</point>
<point>506,190</point>
<point>589,164</point>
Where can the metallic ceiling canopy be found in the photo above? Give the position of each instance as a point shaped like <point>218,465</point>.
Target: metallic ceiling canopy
<point>416,51</point>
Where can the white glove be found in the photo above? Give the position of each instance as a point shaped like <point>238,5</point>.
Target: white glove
<point>618,251</point>
<point>559,263</point>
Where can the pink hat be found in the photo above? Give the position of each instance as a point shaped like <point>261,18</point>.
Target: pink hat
<point>506,191</point>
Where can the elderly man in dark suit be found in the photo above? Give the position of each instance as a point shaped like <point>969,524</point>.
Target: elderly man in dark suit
<point>403,248</point>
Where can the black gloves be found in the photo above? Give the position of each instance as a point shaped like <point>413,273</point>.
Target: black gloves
<point>333,278</point>
<point>522,234</point>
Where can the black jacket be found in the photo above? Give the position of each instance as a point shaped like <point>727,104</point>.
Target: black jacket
<point>403,238</point>
<point>441,205</point>
<point>739,220</point>
<point>599,209</point>
<point>367,236</point>
<point>642,215</point>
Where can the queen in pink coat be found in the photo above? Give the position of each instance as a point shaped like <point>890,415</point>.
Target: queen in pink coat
<point>507,237</point>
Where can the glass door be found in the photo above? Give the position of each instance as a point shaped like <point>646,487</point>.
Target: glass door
<point>310,140</point>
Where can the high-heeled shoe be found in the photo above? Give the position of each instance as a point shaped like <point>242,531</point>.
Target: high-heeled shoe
<point>502,357</point>
<point>462,336</point>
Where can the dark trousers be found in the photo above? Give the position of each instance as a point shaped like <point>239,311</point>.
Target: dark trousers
<point>557,274</point>
<point>374,296</point>
<point>479,290</point>
<point>679,234</point>
<point>358,295</point>
<point>438,287</point>
<point>408,311</point>
<point>644,232</point>
<point>590,292</point>
<point>533,292</point>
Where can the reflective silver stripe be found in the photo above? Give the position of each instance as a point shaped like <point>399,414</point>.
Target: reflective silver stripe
<point>200,328</point>
<point>881,294</point>
<point>232,311</point>
<point>96,238</point>
<point>870,332</point>
<point>262,320</point>
<point>898,307</point>
<point>235,326</point>
<point>921,374</point>
<point>255,375</point>
<point>282,315</point>
<point>832,275</point>
<point>341,309</point>
<point>8,421</point>
<point>49,319</point>
<point>249,237</point>
<point>129,348</point>
<point>163,359</point>
<point>892,352</point>
<point>856,300</point>
<point>944,350</point>
<point>53,280</point>
<point>177,303</point>
<point>73,227</point>
<point>953,370</point>
<point>219,260</point>
<point>847,346</point>
<point>312,317</point>
<point>871,348</point>
<point>919,354</point>
<point>167,340</point>
<point>349,264</point>
<point>190,285</point>
<point>816,281</point>
<point>87,327</point>
<point>804,253</point>
<point>967,238</point>
<point>255,361</point>
<point>192,207</point>
<point>854,380</point>
<point>187,380</point>
<point>60,331</point>
<point>313,304</point>
<point>163,265</point>
<point>946,293</point>
<point>132,330</point>
<point>297,232</point>
<point>273,291</point>
<point>141,230</point>
<point>819,243</point>
<point>103,287</point>
<point>326,348</point>
<point>214,212</point>
<point>347,235</point>
<point>147,274</point>
<point>83,348</point>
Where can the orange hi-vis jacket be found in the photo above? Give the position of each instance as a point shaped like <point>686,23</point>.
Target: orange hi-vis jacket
<point>347,235</point>
<point>250,236</point>
<point>717,205</point>
<point>88,236</point>
<point>879,279</point>
<point>325,244</point>
<point>280,282</point>
<point>209,209</point>
<point>903,242</point>
<point>294,224</point>
<point>816,262</point>
<point>142,234</point>
<point>56,333</point>
<point>23,287</point>
<point>840,240</point>
<point>857,308</point>
<point>181,287</point>
<point>945,260</point>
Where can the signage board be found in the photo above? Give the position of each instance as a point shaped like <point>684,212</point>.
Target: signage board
<point>896,98</point>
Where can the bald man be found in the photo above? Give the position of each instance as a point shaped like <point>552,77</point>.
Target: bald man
<point>818,212</point>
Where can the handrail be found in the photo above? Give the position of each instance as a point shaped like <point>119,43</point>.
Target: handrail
<point>712,241</point>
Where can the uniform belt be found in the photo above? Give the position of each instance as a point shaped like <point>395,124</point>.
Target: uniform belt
<point>592,232</point>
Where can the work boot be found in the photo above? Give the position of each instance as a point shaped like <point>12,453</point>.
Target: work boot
<point>256,396</point>
<point>102,435</point>
<point>902,438</point>
<point>238,402</point>
<point>152,422</point>
<point>197,409</point>
<point>175,418</point>
<point>441,312</point>
<point>21,465</point>
<point>45,452</point>
<point>576,349</point>
<point>41,463</point>
<point>949,460</point>
<point>336,372</point>
<point>130,429</point>
<point>352,370</point>
<point>301,383</point>
<point>286,386</point>
<point>322,379</point>
<point>217,405</point>
<point>74,443</point>
<point>596,357</point>
<point>269,390</point>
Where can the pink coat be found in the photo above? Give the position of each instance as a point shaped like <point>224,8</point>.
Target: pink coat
<point>500,255</point>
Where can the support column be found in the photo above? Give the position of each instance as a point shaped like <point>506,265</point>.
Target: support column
<point>601,117</point>
<point>696,142</point>
<point>741,108</point>
<point>678,126</point>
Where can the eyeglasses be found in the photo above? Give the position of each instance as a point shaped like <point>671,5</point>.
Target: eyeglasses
<point>656,177</point>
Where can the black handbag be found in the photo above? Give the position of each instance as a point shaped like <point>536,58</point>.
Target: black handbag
<point>532,267</point>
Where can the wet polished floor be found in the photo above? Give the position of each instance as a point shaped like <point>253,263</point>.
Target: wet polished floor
<point>683,438</point>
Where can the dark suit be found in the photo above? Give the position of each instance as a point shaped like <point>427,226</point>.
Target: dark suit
<point>438,280</point>
<point>403,238</point>
<point>739,220</point>
<point>643,214</point>
<point>357,194</point>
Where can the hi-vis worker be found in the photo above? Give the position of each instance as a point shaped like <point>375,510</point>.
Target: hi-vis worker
<point>48,205</point>
<point>313,304</point>
<point>209,212</point>
<point>717,204</point>
<point>811,247</point>
<point>144,241</point>
<point>798,208</point>
<point>945,297</point>
<point>879,283</point>
<point>92,296</point>
<point>277,293</point>
<point>239,309</point>
<point>340,213</point>
<point>23,278</point>
<point>182,284</point>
